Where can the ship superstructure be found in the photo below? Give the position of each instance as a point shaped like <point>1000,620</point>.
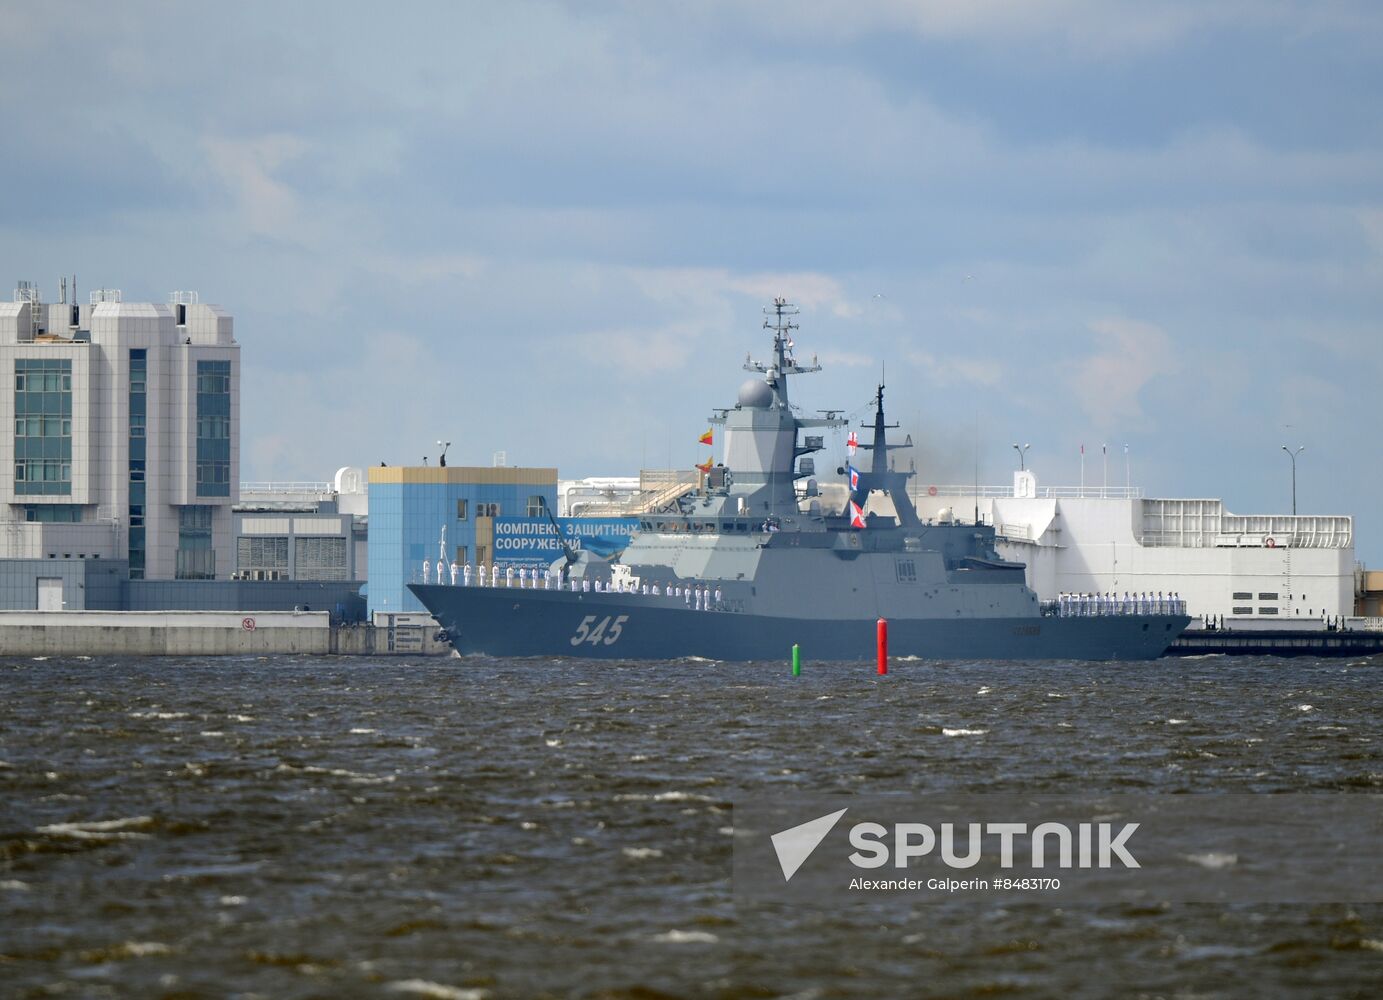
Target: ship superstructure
<point>748,565</point>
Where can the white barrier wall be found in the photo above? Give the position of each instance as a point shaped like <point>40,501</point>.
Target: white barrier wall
<point>163,633</point>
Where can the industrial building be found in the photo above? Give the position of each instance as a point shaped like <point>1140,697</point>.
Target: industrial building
<point>420,515</point>
<point>303,530</point>
<point>1242,568</point>
<point>119,483</point>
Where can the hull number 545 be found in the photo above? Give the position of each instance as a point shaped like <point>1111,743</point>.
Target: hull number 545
<point>595,632</point>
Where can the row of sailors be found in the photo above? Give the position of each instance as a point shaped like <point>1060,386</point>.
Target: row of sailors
<point>700,597</point>
<point>1088,605</point>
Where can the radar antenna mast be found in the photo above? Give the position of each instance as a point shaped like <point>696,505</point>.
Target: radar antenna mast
<point>881,475</point>
<point>779,320</point>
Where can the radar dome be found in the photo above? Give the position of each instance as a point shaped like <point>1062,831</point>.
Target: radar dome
<point>756,394</point>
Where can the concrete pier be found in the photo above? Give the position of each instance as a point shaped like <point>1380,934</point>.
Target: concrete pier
<point>206,633</point>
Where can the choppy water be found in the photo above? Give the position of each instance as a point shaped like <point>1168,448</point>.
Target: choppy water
<point>339,827</point>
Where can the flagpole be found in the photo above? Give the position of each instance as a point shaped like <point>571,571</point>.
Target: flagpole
<point>1082,470</point>
<point>1104,490</point>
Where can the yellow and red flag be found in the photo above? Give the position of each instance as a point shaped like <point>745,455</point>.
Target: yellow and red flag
<point>705,438</point>
<point>709,463</point>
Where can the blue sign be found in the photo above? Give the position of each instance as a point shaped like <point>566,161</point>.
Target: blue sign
<point>530,541</point>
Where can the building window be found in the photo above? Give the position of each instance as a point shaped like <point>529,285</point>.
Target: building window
<point>195,556</point>
<point>43,426</point>
<point>213,428</point>
<point>487,510</point>
<point>53,513</point>
<point>319,558</point>
<point>461,510</point>
<point>536,505</point>
<point>213,479</point>
<point>1243,611</point>
<point>1267,597</point>
<point>461,552</point>
<point>1267,611</point>
<point>1240,596</point>
<point>266,552</point>
<point>139,362</point>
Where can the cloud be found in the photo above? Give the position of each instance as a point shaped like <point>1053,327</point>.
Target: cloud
<point>268,206</point>
<point>1088,30</point>
<point>846,359</point>
<point>637,352</point>
<point>1129,355</point>
<point>986,372</point>
<point>807,290</point>
<point>545,217</point>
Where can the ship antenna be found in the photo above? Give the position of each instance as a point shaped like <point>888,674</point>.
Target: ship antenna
<point>977,467</point>
<point>782,327</point>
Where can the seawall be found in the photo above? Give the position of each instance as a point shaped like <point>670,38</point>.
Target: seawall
<point>205,633</point>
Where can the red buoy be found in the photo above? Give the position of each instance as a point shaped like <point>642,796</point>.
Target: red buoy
<point>883,645</point>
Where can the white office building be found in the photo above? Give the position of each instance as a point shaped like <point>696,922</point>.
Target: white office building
<point>1264,568</point>
<point>120,433</point>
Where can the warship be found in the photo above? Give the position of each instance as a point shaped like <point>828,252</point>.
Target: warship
<point>754,560</point>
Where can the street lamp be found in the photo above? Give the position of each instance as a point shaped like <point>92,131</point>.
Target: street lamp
<point>444,445</point>
<point>1022,463</point>
<point>1293,456</point>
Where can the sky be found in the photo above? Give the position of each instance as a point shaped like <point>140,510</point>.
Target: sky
<point>550,229</point>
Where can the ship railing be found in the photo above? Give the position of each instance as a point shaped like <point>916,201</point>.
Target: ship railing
<point>1281,534</point>
<point>920,492</point>
<point>699,598</point>
<point>1110,606</point>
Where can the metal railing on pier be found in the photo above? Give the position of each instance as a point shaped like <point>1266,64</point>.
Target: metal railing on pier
<point>1109,605</point>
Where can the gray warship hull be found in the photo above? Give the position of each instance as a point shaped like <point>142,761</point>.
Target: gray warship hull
<point>512,622</point>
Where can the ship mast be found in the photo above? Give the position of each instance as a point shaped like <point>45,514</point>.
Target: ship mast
<point>779,320</point>
<point>881,476</point>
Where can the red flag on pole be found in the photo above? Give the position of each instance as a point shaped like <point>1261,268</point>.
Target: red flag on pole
<point>705,438</point>
<point>856,515</point>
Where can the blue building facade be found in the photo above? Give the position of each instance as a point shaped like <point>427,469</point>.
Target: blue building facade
<point>410,506</point>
